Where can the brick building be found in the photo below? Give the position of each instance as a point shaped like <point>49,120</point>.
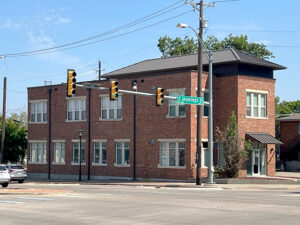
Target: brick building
<point>166,135</point>
<point>290,136</point>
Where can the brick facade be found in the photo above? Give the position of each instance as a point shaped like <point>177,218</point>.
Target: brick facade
<point>153,123</point>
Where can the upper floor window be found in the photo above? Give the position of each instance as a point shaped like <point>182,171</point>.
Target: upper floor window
<point>38,111</point>
<point>122,153</point>
<point>59,152</point>
<point>100,152</point>
<point>172,153</point>
<point>111,110</point>
<point>176,109</point>
<point>38,152</point>
<point>256,105</point>
<point>76,109</point>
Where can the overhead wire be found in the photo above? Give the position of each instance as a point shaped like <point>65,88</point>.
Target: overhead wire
<point>143,19</point>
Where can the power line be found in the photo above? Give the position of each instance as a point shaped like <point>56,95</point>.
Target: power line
<point>257,31</point>
<point>143,19</point>
<point>105,39</point>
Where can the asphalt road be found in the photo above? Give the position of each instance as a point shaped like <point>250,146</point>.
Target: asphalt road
<point>43,203</point>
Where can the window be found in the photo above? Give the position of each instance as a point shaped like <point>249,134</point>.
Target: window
<point>205,153</point>
<point>122,153</point>
<point>38,152</point>
<point>38,112</point>
<point>100,152</point>
<point>172,154</point>
<point>76,152</point>
<point>206,107</point>
<point>76,109</point>
<point>256,105</point>
<point>111,110</point>
<point>298,128</point>
<point>59,152</point>
<point>176,109</point>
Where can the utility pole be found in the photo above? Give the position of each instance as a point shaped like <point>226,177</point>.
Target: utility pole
<point>3,121</point>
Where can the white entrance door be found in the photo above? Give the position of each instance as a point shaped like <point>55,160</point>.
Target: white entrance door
<point>256,162</point>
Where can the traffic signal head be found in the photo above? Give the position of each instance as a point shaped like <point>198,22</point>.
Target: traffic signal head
<point>71,85</point>
<point>159,96</point>
<point>114,90</point>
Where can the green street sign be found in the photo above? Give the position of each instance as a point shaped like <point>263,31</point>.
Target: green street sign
<point>190,100</point>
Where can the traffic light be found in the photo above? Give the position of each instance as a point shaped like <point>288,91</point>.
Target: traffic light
<point>114,90</point>
<point>71,85</point>
<point>159,96</point>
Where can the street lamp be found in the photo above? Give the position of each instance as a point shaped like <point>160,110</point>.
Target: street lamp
<point>208,53</point>
<point>80,136</point>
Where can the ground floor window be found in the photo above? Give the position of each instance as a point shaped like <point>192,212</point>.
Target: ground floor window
<point>38,152</point>
<point>100,152</point>
<point>172,154</point>
<point>59,152</point>
<point>122,153</point>
<point>76,152</point>
<point>256,163</point>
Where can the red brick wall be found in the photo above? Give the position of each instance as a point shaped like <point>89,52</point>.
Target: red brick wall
<point>288,133</point>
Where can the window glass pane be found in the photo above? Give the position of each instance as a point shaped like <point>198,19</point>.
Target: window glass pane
<point>44,107</point>
<point>119,113</point>
<point>181,144</point>
<point>111,113</point>
<point>206,110</point>
<point>255,111</point>
<point>111,104</point>
<point>83,106</point>
<point>248,98</point>
<point>206,96</point>
<point>172,110</point>
<point>104,101</point>
<point>97,155</point>
<point>262,162</point>
<point>127,160</point>
<point>39,117</point>
<point>181,157</point>
<point>263,100</point>
<point>104,114</point>
<point>126,145</point>
<point>119,105</point>
<point>76,115</point>
<point>181,110</point>
<point>163,157</point>
<point>119,156</point>
<point>263,112</point>
<point>172,157</point>
<point>32,108</point>
<point>103,156</point>
<point>77,105</point>
<point>255,99</point>
<point>69,115</point>
<point>32,117</point>
<point>63,153</point>
<point>70,105</point>
<point>248,110</point>
<point>83,115</point>
<point>206,157</point>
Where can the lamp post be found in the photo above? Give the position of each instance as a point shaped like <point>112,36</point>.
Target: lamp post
<point>80,136</point>
<point>210,118</point>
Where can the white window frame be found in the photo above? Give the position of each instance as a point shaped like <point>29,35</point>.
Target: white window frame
<point>61,152</point>
<point>100,142</point>
<point>168,141</point>
<point>34,107</point>
<point>117,105</point>
<point>259,95</point>
<point>122,141</point>
<point>176,91</point>
<point>40,148</point>
<point>82,108</point>
<point>73,149</point>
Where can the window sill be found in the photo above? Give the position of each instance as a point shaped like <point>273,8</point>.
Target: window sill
<point>39,163</point>
<point>100,119</point>
<point>122,165</point>
<point>77,164</point>
<point>168,116</point>
<point>37,122</point>
<point>171,167</point>
<point>72,121</point>
<point>55,163</point>
<point>258,118</point>
<point>205,117</point>
<point>99,164</point>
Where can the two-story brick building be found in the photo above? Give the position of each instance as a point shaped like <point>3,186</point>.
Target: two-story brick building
<point>165,136</point>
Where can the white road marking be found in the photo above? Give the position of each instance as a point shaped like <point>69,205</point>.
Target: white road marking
<point>11,202</point>
<point>34,198</point>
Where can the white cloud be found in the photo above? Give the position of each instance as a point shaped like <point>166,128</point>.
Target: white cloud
<point>12,25</point>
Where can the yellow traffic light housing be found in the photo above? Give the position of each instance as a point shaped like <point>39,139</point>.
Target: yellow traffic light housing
<point>159,96</point>
<point>114,90</point>
<point>71,85</point>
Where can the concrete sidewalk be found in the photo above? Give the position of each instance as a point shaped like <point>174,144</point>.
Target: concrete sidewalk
<point>295,175</point>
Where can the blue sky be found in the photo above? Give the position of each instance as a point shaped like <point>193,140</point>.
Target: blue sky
<point>32,25</point>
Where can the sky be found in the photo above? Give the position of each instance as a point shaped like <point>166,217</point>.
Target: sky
<point>33,25</point>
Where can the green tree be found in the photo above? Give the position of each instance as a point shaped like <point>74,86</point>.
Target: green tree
<point>15,143</point>
<point>177,46</point>
<point>234,148</point>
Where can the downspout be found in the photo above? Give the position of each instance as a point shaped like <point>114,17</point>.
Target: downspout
<point>89,134</point>
<point>49,133</point>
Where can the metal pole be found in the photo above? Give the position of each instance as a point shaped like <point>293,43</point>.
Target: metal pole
<point>199,94</point>
<point>80,134</point>
<point>99,71</point>
<point>2,153</point>
<point>89,134</point>
<point>49,133</point>
<point>134,85</point>
<point>210,122</point>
